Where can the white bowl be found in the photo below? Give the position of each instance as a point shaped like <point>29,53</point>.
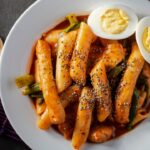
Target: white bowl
<point>15,58</point>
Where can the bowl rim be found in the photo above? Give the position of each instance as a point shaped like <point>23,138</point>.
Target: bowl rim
<point>26,11</point>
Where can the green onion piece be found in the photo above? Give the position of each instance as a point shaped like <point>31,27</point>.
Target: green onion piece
<point>24,80</point>
<point>142,81</point>
<point>37,95</point>
<point>72,27</point>
<point>72,18</point>
<point>116,71</point>
<point>31,89</point>
<point>113,76</point>
<point>133,108</point>
<point>74,24</point>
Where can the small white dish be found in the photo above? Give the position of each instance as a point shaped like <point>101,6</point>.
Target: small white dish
<point>144,23</point>
<point>94,21</point>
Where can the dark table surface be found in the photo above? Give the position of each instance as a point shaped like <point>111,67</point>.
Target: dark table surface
<point>10,10</point>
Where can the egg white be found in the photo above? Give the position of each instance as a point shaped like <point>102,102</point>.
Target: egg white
<point>94,22</point>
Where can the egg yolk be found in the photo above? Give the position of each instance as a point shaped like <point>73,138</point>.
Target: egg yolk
<point>114,21</point>
<point>146,38</point>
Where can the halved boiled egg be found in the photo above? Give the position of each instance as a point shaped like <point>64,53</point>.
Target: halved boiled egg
<point>143,37</point>
<point>113,21</point>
